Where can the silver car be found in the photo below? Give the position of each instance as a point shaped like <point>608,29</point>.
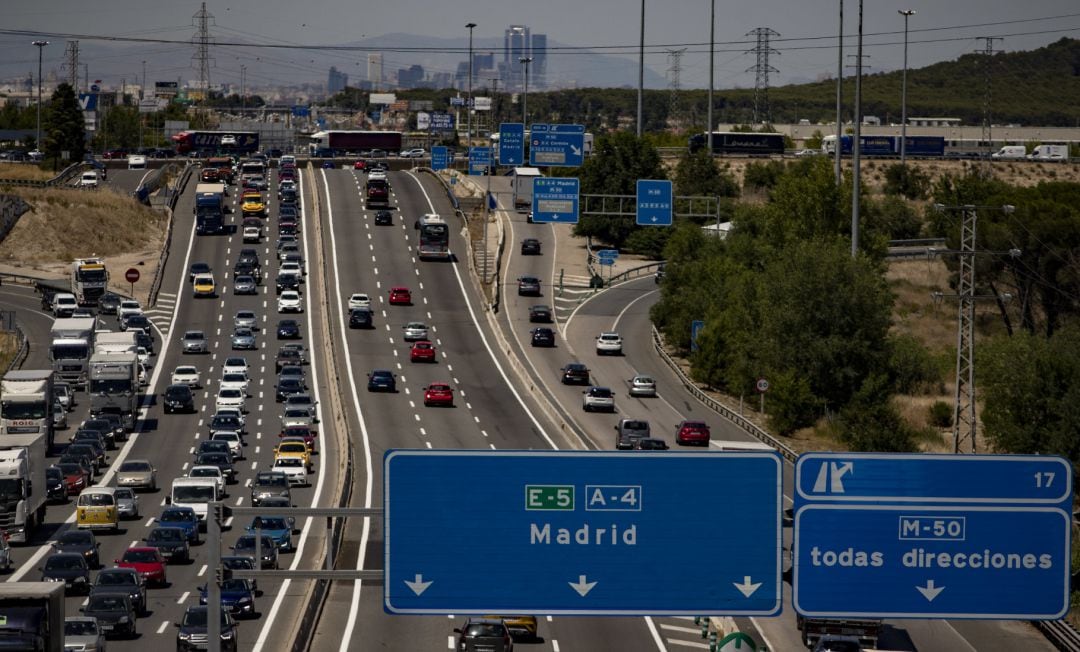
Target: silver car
<point>642,385</point>
<point>297,416</point>
<point>59,416</point>
<point>415,330</point>
<point>244,284</point>
<point>243,338</point>
<point>137,474</point>
<point>83,633</point>
<point>246,319</point>
<point>195,342</point>
<point>127,503</point>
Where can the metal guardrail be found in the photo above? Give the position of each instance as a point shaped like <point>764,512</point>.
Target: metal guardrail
<point>24,350</point>
<point>1060,633</point>
<point>65,175</point>
<point>155,287</point>
<point>635,272</point>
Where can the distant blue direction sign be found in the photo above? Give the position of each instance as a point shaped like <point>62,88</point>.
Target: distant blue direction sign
<point>654,205</point>
<point>439,158</point>
<point>608,253</point>
<point>556,145</point>
<point>595,530</point>
<point>555,199</point>
<point>932,536</point>
<point>479,160</point>
<point>511,143</point>
<point>696,327</point>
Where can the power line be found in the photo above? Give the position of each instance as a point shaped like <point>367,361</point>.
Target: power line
<point>761,69</point>
<point>674,71</point>
<point>202,57</point>
<point>988,59</point>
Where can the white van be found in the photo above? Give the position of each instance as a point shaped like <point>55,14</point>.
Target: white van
<point>195,493</point>
<point>136,162</point>
<point>1050,153</point>
<point>89,179</point>
<point>1011,151</point>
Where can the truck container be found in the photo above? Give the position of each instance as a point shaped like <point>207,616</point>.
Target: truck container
<point>72,344</point>
<point>812,629</point>
<point>522,181</point>
<point>89,280</point>
<point>114,385</point>
<point>730,142</point>
<point>23,489</point>
<point>206,143</point>
<point>1050,153</point>
<point>209,208</point>
<point>26,403</point>
<point>32,616</point>
<point>116,342</point>
<point>340,142</point>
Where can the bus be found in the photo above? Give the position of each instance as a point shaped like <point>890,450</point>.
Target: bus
<point>434,237</point>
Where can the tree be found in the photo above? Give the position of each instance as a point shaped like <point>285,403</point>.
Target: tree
<point>697,174</point>
<point>120,128</point>
<point>64,128</point>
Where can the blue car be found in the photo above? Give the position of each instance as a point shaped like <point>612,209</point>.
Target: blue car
<point>184,518</point>
<point>278,528</point>
<point>381,380</point>
<point>237,596</point>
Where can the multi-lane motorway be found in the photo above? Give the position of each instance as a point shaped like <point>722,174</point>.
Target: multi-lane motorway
<point>346,253</point>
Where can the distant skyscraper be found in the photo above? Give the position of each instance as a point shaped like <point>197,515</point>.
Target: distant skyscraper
<point>411,77</point>
<point>538,68</point>
<point>337,81</point>
<point>515,46</point>
<point>375,70</point>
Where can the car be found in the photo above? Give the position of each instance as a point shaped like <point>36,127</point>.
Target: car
<point>116,423</point>
<point>243,339</point>
<point>98,430</point>
<point>236,444</point>
<point>186,374</point>
<point>67,567</point>
<point>121,581</point>
<point>629,431</point>
<point>253,205</point>
<point>236,379</point>
<point>400,296</point>
<point>245,284</point>
<point>108,303</point>
<point>415,330</point>
<point>181,517</point>
<point>303,433</point>
<point>235,364</point>
<point>528,286</point>
<point>59,416</point>
<point>598,398</point>
<point>292,371</point>
<point>303,400</point>
<point>286,282</point>
<point>56,490</point>
<point>384,218</point>
<point>361,318</point>
<point>288,249</point>
<point>248,255</point>
<point>542,337</point>
<point>82,633</point>
<point>127,503</point>
<point>147,562</point>
<point>359,300</point>
<point>65,395</point>
<point>295,447</point>
<point>523,627</point>
<point>171,542</point>
<point>837,643</point>
<point>286,355</point>
<point>278,528</point>
<point>226,398</point>
<point>198,268</point>
<point>269,484</point>
<point>80,542</point>
<point>195,342</point>
<point>415,152</point>
<point>128,307</point>
<point>293,468</point>
<point>382,380</point>
<point>143,339</point>
<point>246,319</point>
<point>208,471</point>
<point>422,351</point>
<point>289,301</point>
<point>237,596</point>
<point>287,387</point>
<point>294,416</point>
<point>360,164</point>
<point>144,375</point>
<point>228,140</point>
<point>137,322</point>
<point>137,473</point>
<point>484,635</point>
<point>540,314</point>
<point>327,165</point>
<point>530,247</point>
<point>227,419</point>
<point>192,630</point>
<point>76,476</point>
<point>222,459</point>
<point>245,547</point>
<point>642,385</point>
<point>203,286</point>
<point>650,444</point>
<point>288,329</point>
<point>115,614</point>
<point>609,344</point>
<point>574,373</point>
<point>178,398</point>
<point>232,562</point>
<point>292,266</point>
<point>692,432</point>
<point>254,270</point>
<point>439,394</point>
<point>90,448</point>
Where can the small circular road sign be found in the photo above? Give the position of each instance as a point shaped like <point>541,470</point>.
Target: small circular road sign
<point>132,275</point>
<point>762,385</point>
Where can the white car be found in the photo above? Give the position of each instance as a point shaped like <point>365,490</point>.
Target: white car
<point>598,398</point>
<point>232,412</point>
<point>228,140</point>
<point>144,356</point>
<point>128,307</point>
<point>292,268</point>
<point>236,444</point>
<point>252,234</point>
<point>642,385</point>
<point>144,374</point>
<point>415,330</point>
<point>359,300</point>
<point>296,416</point>
<point>416,152</point>
<point>235,365</point>
<point>293,468</point>
<point>609,344</point>
<point>289,301</point>
<point>235,381</point>
<point>207,471</point>
<point>376,175</point>
<point>230,398</point>
<point>188,375</point>
<point>136,162</point>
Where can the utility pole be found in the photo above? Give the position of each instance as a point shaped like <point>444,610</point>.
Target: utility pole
<point>674,71</point>
<point>987,128</point>
<point>243,91</point>
<point>906,13</point>
<point>525,61</point>
<point>40,48</point>
<point>641,69</point>
<point>761,70</point>
<point>203,20</point>
<point>855,141</point>
<point>712,62</point>
<point>494,102</point>
<point>142,96</point>
<point>71,64</point>
<point>469,102</point>
<point>840,95</point>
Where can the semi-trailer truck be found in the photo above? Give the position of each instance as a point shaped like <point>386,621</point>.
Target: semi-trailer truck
<point>339,142</point>
<point>26,403</point>
<point>72,344</point>
<point>33,616</point>
<point>209,208</point>
<point>89,280</point>
<point>522,180</point>
<point>23,489</point>
<point>114,385</point>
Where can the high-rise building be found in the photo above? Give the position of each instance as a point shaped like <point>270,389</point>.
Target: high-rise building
<point>375,70</point>
<point>538,68</point>
<point>516,45</point>
<point>411,77</point>
<point>337,81</point>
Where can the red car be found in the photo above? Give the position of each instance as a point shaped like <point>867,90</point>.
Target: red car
<point>75,478</point>
<point>692,432</point>
<point>400,296</point>
<point>304,432</point>
<point>439,394</point>
<point>360,165</point>
<point>422,351</point>
<point>145,561</point>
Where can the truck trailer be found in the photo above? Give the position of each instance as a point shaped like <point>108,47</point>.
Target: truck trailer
<point>72,344</point>
<point>209,208</point>
<point>23,489</point>
<point>340,142</point>
<point>522,181</point>
<point>114,385</point>
<point>32,616</point>
<point>26,403</point>
<point>89,280</point>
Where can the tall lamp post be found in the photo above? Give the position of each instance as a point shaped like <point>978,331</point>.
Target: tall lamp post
<point>906,13</point>
<point>712,58</point>
<point>40,46</point>
<point>469,107</point>
<point>839,95</point>
<point>641,69</point>
<point>525,98</point>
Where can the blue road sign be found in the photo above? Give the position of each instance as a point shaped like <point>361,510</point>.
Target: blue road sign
<point>932,536</point>
<point>599,533</point>
<point>511,143</point>
<point>695,328</point>
<point>556,145</point>
<point>479,160</point>
<point>654,204</point>
<point>555,199</point>
<point>88,101</point>
<point>441,121</point>
<point>607,261</point>
<point>608,253</point>
<point>439,158</point>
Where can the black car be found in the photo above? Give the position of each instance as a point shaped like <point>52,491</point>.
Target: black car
<point>528,286</point>
<point>287,228</point>
<point>84,463</point>
<point>288,329</point>
<point>286,387</point>
<point>384,218</point>
<point>650,444</point>
<point>86,451</point>
<point>212,446</point>
<point>225,423</point>
<point>198,268</point>
<point>543,337</point>
<point>114,612</point>
<point>55,489</point>
<point>178,398</point>
<point>248,255</point>
<point>223,461</point>
<point>108,304</point>
<point>251,269</point>
<point>115,422</point>
<point>236,562</point>
<point>171,542</point>
<point>145,340</point>
<point>286,356</point>
<point>287,282</point>
<point>360,318</point>
<point>193,628</point>
<point>137,322</point>
<point>80,542</point>
<point>102,427</point>
<point>122,581</point>
<point>540,314</point>
<point>67,567</point>
<point>270,484</point>
<point>289,212</point>
<point>574,373</point>
<point>381,380</point>
<point>530,247</point>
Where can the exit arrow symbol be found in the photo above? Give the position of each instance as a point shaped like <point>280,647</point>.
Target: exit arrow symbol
<point>746,588</point>
<point>419,585</point>
<point>582,587</point>
<point>930,591</point>
<point>575,150</point>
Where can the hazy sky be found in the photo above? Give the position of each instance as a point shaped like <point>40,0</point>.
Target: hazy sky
<point>940,30</point>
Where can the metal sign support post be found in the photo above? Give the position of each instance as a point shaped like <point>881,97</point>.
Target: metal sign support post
<point>213,588</point>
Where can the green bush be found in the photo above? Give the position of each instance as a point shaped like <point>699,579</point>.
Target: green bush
<point>911,367</point>
<point>909,182</point>
<point>763,175</point>
<point>941,414</point>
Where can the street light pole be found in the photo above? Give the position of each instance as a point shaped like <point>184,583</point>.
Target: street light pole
<point>906,13</point>
<point>525,98</point>
<point>641,68</point>
<point>40,46</point>
<point>142,96</point>
<point>839,95</point>
<point>468,106</point>
<point>712,57</point>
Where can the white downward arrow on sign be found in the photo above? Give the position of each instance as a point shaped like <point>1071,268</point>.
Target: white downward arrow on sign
<point>582,587</point>
<point>746,588</point>
<point>419,585</point>
<point>930,591</point>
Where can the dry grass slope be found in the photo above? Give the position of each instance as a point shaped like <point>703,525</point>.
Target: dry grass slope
<point>9,346</point>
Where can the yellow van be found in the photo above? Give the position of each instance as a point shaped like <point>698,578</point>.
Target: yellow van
<point>96,509</point>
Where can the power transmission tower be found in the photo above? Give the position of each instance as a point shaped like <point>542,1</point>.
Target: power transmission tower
<point>761,71</point>
<point>71,64</point>
<point>202,20</point>
<point>674,71</point>
<point>988,59</point>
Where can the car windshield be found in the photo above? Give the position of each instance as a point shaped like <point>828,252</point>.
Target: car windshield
<point>63,562</point>
<point>165,534</point>
<point>193,494</point>
<point>177,516</point>
<point>107,578</point>
<point>484,630</point>
<point>292,448</point>
<point>106,603</point>
<point>96,500</point>
<point>134,467</point>
<point>125,494</point>
<point>272,480</point>
<point>230,393</point>
<point>234,585</point>
<point>600,392</point>
<point>184,371</point>
<point>86,627</point>
<point>198,618</point>
<point>270,523</point>
<point>139,557</point>
<point>206,473</point>
<point>76,537</point>
<point>292,462</point>
<point>194,337</point>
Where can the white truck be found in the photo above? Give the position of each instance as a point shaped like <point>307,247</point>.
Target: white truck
<point>114,376</point>
<point>195,493</point>
<point>1050,153</point>
<point>72,344</point>
<point>1010,152</point>
<point>89,280</point>
<point>64,304</point>
<point>522,180</point>
<point>23,489</point>
<point>26,403</point>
